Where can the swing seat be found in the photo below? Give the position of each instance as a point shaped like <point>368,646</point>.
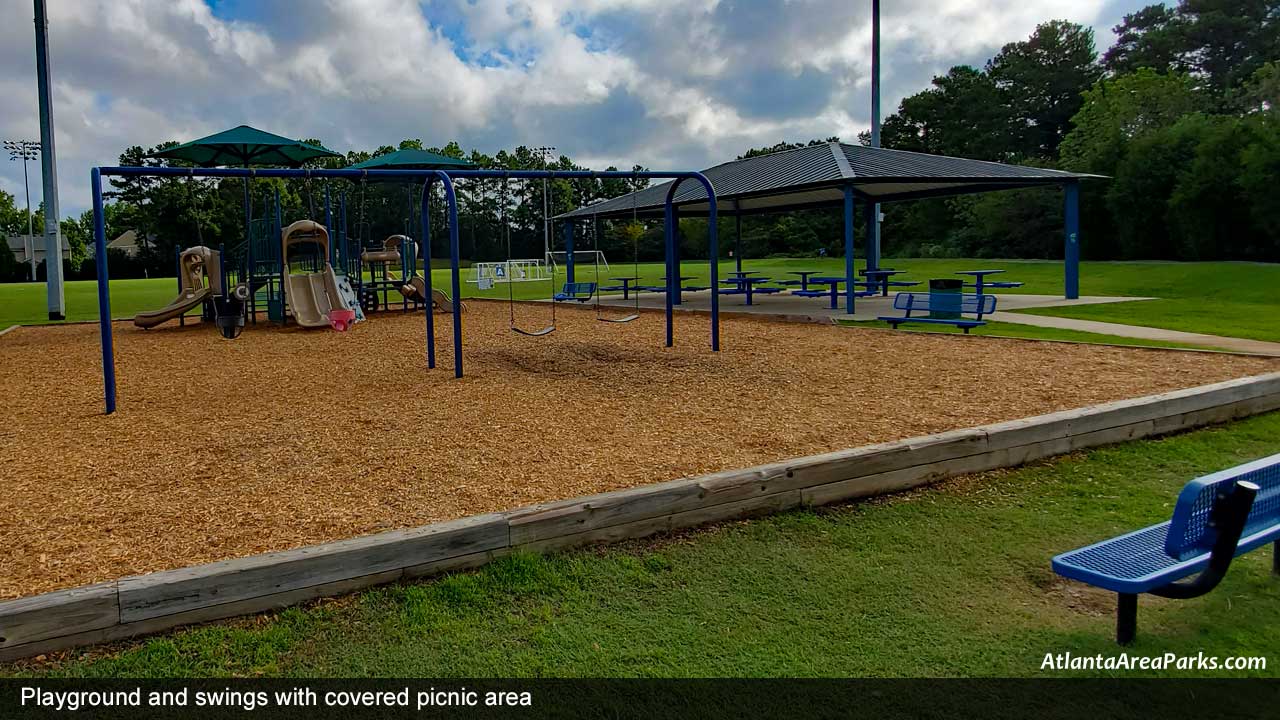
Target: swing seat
<point>535,333</point>
<point>623,319</point>
<point>577,291</point>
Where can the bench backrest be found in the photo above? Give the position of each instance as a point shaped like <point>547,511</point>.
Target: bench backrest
<point>1189,532</point>
<point>579,288</point>
<point>945,302</point>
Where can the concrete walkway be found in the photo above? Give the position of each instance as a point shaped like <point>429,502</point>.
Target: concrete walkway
<point>1260,347</point>
<point>818,310</point>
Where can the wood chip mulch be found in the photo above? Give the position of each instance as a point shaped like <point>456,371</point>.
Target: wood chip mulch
<point>289,437</point>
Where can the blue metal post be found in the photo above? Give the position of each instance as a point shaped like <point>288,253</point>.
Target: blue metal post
<point>568,251</point>
<point>344,256</point>
<point>280,266</point>
<point>104,293</point>
<point>455,256</point>
<point>668,232</point>
<point>248,253</point>
<point>713,248</point>
<point>426,253</point>
<point>849,276</point>
<point>328,225</point>
<point>737,237</point>
<point>1071,215</point>
<point>873,236</point>
<point>673,288</point>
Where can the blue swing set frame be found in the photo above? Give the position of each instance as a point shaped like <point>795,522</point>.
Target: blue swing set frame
<point>430,177</point>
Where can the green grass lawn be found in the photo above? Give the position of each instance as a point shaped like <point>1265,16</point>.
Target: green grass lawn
<point>947,581</point>
<point>1233,299</point>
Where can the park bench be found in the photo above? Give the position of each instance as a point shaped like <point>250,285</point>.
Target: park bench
<point>579,291</point>
<point>956,303</point>
<point>1216,518</point>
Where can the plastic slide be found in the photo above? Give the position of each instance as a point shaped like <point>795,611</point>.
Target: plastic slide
<point>416,289</point>
<point>182,304</point>
<point>314,298</point>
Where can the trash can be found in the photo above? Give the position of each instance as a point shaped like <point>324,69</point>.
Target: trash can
<point>946,296</point>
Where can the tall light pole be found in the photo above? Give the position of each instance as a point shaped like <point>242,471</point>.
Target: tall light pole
<point>873,242</point>
<point>49,171</point>
<point>26,150</point>
<point>544,153</point>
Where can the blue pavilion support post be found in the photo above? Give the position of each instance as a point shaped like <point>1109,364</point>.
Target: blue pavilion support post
<point>568,251</point>
<point>849,274</point>
<point>1071,254</point>
<point>873,236</point>
<point>104,293</point>
<point>737,238</point>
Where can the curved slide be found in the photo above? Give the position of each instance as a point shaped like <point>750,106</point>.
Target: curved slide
<point>416,289</point>
<point>181,304</point>
<point>311,296</point>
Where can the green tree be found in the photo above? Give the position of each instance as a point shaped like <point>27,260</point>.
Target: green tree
<point>1041,80</point>
<point>1222,42</point>
<point>964,114</point>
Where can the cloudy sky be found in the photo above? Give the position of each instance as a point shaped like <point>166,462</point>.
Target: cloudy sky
<point>671,84</point>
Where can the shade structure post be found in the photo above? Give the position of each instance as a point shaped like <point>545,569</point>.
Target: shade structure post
<point>455,256</point>
<point>1071,251</point>
<point>873,236</point>
<point>568,251</point>
<point>248,253</point>
<point>104,293</point>
<point>673,287</point>
<point>328,226</point>
<point>848,250</point>
<point>737,236</point>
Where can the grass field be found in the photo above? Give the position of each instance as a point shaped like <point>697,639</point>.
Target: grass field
<point>948,581</point>
<point>1233,299</point>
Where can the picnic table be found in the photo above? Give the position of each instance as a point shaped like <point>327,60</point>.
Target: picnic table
<point>980,282</point>
<point>880,278</point>
<point>626,286</point>
<point>834,282</point>
<point>746,285</point>
<point>803,282</point>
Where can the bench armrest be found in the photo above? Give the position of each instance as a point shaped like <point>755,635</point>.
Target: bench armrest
<point>1229,515</point>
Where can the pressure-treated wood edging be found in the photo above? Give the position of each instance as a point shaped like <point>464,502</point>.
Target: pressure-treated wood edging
<point>159,601</point>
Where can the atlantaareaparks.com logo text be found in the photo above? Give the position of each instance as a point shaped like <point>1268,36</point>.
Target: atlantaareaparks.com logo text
<point>1167,661</point>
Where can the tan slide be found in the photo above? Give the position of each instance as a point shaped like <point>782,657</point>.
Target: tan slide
<point>196,264</point>
<point>416,289</point>
<point>311,297</point>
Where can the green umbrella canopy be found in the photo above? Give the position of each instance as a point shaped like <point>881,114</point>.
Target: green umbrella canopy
<point>243,146</point>
<point>411,159</point>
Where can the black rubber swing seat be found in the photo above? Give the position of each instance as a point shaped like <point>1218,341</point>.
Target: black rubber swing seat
<point>624,319</point>
<point>535,333</point>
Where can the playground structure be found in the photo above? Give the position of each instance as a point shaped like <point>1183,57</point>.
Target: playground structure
<point>429,178</point>
<point>199,280</point>
<point>314,297</point>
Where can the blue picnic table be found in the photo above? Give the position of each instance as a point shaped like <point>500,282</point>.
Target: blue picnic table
<point>803,282</point>
<point>981,283</point>
<point>744,284</point>
<point>626,286</point>
<point>833,282</point>
<point>880,278</point>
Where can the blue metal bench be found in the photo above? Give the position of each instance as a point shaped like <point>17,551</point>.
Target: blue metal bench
<point>614,288</point>
<point>978,305</point>
<point>812,293</point>
<point>579,291</point>
<point>1216,518</point>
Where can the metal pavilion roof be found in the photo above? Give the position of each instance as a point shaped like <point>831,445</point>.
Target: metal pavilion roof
<point>815,176</point>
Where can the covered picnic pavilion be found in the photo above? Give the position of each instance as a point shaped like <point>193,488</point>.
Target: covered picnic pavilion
<point>837,175</point>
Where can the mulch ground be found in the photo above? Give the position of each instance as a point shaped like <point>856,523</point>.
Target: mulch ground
<point>290,437</point>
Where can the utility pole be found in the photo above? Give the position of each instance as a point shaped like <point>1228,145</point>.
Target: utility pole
<point>49,170</point>
<point>26,150</point>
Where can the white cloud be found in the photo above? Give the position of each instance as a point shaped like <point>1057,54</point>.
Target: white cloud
<point>658,82</point>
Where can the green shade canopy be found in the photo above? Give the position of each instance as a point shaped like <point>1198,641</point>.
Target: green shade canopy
<point>243,146</point>
<point>411,159</point>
